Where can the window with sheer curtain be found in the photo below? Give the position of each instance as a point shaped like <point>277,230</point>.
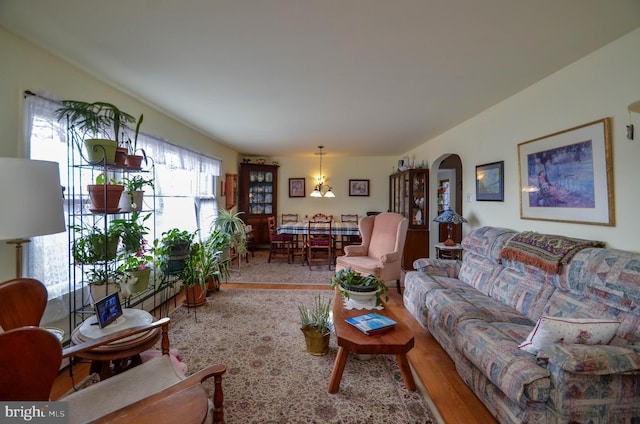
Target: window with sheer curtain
<point>185,183</point>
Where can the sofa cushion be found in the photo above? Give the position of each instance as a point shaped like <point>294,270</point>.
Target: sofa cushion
<point>604,359</point>
<point>526,295</point>
<point>493,351</point>
<point>487,242</point>
<point>453,306</point>
<point>478,273</point>
<point>549,330</point>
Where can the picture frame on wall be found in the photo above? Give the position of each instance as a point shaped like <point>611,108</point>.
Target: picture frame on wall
<point>297,187</point>
<point>490,182</point>
<point>568,176</point>
<point>358,187</point>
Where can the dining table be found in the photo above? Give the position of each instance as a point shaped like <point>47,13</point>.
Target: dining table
<point>337,228</point>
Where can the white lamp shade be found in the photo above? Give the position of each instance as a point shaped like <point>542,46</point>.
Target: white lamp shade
<point>31,194</point>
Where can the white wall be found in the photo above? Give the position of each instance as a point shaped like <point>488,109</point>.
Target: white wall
<point>600,85</point>
<point>26,67</point>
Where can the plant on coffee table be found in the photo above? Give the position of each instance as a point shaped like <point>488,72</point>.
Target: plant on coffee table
<point>352,282</point>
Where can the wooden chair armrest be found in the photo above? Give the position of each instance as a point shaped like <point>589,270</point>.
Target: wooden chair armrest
<point>175,403</point>
<point>92,344</point>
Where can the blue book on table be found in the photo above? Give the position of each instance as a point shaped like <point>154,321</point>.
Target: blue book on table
<point>372,323</point>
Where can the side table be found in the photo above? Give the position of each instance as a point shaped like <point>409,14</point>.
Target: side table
<point>449,252</point>
<point>116,357</point>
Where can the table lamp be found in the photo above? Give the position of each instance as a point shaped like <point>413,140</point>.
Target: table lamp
<point>32,202</point>
<point>449,217</point>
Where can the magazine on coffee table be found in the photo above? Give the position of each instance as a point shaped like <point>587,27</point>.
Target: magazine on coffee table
<point>372,323</point>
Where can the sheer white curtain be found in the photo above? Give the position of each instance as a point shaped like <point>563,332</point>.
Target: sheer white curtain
<point>185,183</point>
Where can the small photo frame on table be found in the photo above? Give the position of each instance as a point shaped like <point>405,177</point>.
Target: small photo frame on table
<point>568,176</point>
<point>490,182</point>
<point>296,187</point>
<point>358,187</point>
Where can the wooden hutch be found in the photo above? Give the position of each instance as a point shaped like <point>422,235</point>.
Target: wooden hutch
<point>409,196</point>
<point>258,198</point>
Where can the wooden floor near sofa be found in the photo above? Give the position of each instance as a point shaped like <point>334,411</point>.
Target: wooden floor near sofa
<point>453,399</point>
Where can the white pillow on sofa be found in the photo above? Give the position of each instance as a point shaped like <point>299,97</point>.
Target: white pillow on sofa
<point>550,330</point>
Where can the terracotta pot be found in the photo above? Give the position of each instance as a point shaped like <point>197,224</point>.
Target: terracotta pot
<point>105,197</point>
<point>134,161</point>
<point>196,296</point>
<point>121,156</point>
<point>99,150</point>
<point>212,286</point>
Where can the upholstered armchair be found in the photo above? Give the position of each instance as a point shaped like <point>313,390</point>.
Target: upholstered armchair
<point>381,250</point>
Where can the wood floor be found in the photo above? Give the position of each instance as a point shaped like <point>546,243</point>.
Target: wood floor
<point>453,399</point>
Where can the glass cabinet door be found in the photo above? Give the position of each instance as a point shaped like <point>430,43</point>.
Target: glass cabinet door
<point>261,192</point>
<point>418,199</point>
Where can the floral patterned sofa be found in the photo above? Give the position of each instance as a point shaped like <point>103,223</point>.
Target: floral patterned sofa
<point>488,309</point>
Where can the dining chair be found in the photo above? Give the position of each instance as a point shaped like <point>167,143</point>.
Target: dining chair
<point>280,245</point>
<point>320,242</point>
<point>298,246</point>
<point>348,240</point>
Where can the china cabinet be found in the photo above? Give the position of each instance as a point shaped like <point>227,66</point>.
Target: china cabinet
<point>408,196</point>
<point>258,198</point>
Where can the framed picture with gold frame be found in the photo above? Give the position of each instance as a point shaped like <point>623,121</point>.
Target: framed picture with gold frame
<point>568,176</point>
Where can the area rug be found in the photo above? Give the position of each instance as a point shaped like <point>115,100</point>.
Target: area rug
<point>278,271</point>
<point>270,376</point>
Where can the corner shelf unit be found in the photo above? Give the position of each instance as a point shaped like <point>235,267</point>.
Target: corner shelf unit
<point>80,174</point>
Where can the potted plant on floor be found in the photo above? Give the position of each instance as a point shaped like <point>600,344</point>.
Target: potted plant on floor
<point>131,199</point>
<point>98,119</point>
<point>194,276</point>
<point>316,325</point>
<point>231,224</point>
<point>215,264</point>
<point>363,289</point>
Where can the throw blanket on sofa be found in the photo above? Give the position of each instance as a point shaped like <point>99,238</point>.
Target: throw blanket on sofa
<point>544,251</point>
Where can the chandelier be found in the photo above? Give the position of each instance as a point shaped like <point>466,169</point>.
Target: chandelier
<point>321,190</point>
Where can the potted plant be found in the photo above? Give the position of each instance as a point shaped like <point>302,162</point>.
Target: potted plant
<point>231,224</point>
<point>316,325</point>
<point>131,231</point>
<point>131,199</point>
<point>98,119</point>
<point>105,195</point>
<point>361,288</point>
<point>194,276</point>
<point>172,249</point>
<point>94,246</point>
<point>135,267</point>
<point>133,160</point>
<point>214,263</point>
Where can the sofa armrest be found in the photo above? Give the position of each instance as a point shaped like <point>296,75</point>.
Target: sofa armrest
<point>593,359</point>
<point>438,267</point>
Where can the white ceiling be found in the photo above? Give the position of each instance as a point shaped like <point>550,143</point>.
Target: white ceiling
<point>279,77</point>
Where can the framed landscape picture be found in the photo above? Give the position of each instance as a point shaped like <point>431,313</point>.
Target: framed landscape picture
<point>296,187</point>
<point>358,187</point>
<point>490,182</point>
<point>568,176</point>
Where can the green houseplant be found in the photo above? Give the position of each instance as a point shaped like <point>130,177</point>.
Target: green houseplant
<point>231,224</point>
<point>131,199</point>
<point>354,284</point>
<point>97,119</point>
<point>315,324</point>
<point>134,160</point>
<point>194,275</point>
<point>93,246</point>
<point>172,249</point>
<point>135,270</point>
<point>215,264</point>
<point>105,195</point>
<point>131,230</point>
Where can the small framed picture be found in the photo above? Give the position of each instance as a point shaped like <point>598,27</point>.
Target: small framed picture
<point>358,187</point>
<point>490,182</point>
<point>296,187</point>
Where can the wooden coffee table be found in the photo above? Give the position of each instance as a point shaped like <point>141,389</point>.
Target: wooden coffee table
<point>351,340</point>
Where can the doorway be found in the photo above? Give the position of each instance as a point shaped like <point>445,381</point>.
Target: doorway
<point>447,193</point>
